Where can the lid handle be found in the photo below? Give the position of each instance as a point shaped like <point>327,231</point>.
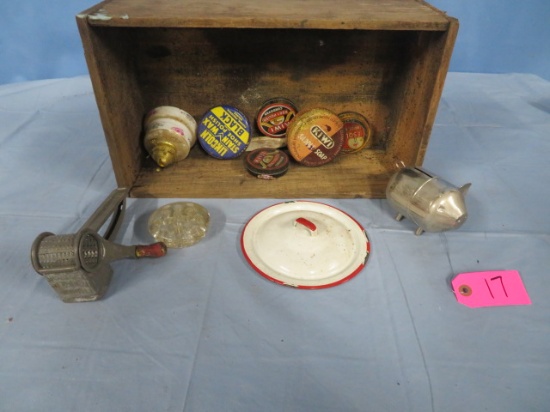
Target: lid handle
<point>308,224</point>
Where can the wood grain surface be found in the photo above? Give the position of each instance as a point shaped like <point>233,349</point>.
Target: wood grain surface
<point>195,55</point>
<point>322,14</point>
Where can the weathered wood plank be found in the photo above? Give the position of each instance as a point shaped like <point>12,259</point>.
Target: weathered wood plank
<point>321,14</point>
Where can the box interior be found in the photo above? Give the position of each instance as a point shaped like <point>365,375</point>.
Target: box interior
<point>386,75</point>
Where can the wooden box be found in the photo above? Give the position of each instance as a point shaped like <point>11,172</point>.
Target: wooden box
<point>386,59</point>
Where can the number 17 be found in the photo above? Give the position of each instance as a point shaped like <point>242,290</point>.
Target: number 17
<point>501,283</point>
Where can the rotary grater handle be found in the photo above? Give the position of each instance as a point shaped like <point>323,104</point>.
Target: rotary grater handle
<point>95,252</point>
<point>114,251</point>
<point>107,251</point>
<point>87,249</point>
<point>115,206</point>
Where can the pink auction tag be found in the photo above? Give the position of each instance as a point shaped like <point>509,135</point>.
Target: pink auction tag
<point>492,288</point>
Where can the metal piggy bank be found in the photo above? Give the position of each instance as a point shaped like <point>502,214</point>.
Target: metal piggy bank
<point>432,203</point>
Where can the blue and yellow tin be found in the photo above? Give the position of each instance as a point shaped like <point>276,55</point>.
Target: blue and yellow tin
<point>224,132</point>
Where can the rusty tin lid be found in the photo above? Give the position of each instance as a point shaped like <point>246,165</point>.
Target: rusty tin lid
<point>315,137</point>
<point>357,132</point>
<point>267,163</point>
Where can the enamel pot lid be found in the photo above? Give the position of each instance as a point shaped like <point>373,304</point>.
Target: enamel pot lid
<point>305,244</point>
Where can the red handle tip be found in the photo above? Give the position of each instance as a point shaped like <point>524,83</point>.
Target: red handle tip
<point>155,250</point>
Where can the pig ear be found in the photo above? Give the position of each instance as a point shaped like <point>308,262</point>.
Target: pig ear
<point>464,189</point>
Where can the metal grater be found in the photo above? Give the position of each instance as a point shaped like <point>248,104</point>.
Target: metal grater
<point>77,266</point>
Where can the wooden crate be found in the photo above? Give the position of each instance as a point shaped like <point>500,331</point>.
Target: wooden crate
<point>386,59</point>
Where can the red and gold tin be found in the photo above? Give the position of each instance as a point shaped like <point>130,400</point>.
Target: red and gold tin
<point>274,116</point>
<point>315,137</point>
<point>357,132</point>
<point>267,163</point>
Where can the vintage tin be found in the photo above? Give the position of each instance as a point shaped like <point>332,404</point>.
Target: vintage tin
<point>357,132</point>
<point>224,132</point>
<point>267,163</point>
<point>274,116</point>
<point>315,137</point>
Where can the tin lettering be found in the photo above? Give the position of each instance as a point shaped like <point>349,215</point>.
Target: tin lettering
<point>306,142</point>
<point>323,138</point>
<point>232,124</point>
<point>267,159</point>
<point>211,125</point>
<point>230,145</point>
<point>270,115</point>
<point>321,155</point>
<point>260,158</point>
<point>215,144</point>
<point>278,128</point>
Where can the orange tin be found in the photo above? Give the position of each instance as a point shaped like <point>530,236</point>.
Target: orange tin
<point>315,137</point>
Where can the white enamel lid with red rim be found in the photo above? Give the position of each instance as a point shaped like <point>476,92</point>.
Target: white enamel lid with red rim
<point>304,244</point>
